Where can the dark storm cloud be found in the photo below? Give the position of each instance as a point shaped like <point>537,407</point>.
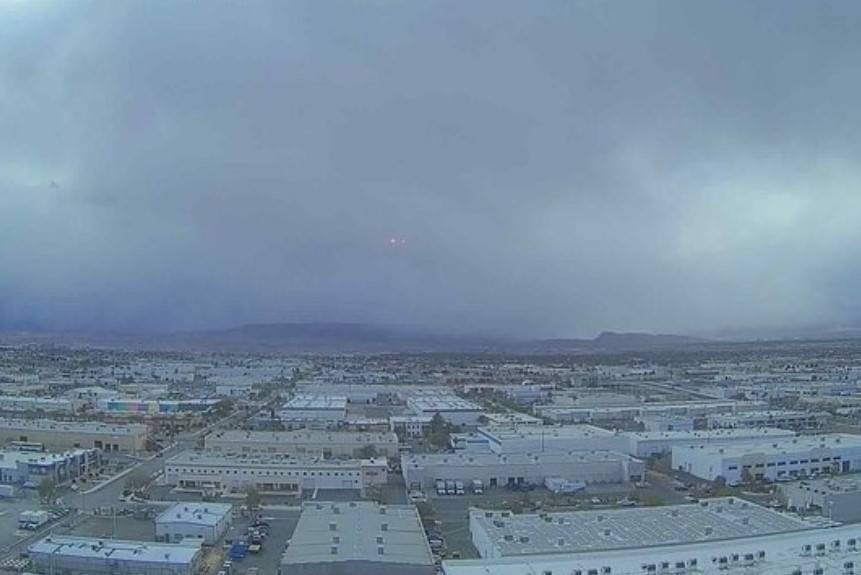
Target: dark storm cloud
<point>550,168</point>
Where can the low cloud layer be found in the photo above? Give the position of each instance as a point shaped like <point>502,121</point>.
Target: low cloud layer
<point>541,168</point>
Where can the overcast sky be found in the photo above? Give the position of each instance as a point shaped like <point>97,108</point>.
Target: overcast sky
<point>540,168</point>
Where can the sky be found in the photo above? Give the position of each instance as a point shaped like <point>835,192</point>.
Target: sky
<point>547,168</point>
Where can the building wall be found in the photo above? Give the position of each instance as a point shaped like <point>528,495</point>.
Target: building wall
<point>710,464</point>
<point>69,565</point>
<point>839,506</point>
<point>500,475</point>
<point>296,444</point>
<point>59,439</point>
<point>276,478</point>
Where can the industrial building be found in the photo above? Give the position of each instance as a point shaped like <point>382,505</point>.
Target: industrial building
<point>271,472</point>
<point>503,534</point>
<point>64,555</point>
<point>794,457</point>
<point>47,404</point>
<point>358,538</point>
<point>584,414</point>
<point>206,522</point>
<point>812,551</point>
<point>647,443</point>
<point>543,438</point>
<point>783,419</point>
<point>667,422</point>
<point>155,406</point>
<point>454,409</point>
<point>305,442</point>
<point>30,468</point>
<point>314,410</point>
<point>59,435</point>
<point>838,498</point>
<point>511,419</point>
<point>498,470</point>
<point>411,426</point>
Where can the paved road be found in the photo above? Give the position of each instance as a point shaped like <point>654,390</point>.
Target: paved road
<point>108,494</point>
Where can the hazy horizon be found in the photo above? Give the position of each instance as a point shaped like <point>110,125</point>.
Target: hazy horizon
<point>538,169</point>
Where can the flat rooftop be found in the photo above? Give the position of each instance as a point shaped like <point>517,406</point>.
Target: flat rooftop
<point>304,436</point>
<point>208,514</point>
<point>104,549</point>
<point>358,531</point>
<point>442,403</point>
<point>487,459</point>
<point>73,426</point>
<point>267,460</point>
<point>507,433</point>
<point>782,556</point>
<point>11,458</point>
<point>316,401</point>
<point>711,434</point>
<point>580,531</point>
<point>836,484</point>
<point>787,445</point>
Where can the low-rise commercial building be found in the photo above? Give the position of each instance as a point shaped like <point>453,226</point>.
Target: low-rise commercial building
<point>65,555</point>
<point>772,460</point>
<point>411,426</point>
<point>783,419</point>
<point>322,443</point>
<point>206,522</point>
<point>667,422</point>
<point>497,470</point>
<point>314,410</point>
<point>60,435</point>
<point>35,404</point>
<point>271,472</point>
<point>838,498</point>
<point>454,409</point>
<point>358,538</point>
<point>512,419</point>
<point>584,414</point>
<point>155,406</point>
<point>31,468</point>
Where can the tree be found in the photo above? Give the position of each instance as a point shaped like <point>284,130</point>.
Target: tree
<point>223,408</point>
<point>252,499</point>
<point>440,432</point>
<point>135,482</point>
<point>47,489</point>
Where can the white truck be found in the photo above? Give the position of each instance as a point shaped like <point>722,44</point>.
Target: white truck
<point>477,486</point>
<point>458,488</point>
<point>440,487</point>
<point>32,519</point>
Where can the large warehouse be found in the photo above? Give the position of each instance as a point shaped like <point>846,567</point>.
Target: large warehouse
<point>646,443</point>
<point>305,441</point>
<point>186,520</point>
<point>358,538</point>
<point>545,438</point>
<point>271,473</point>
<point>503,534</point>
<point>780,458</point>
<point>813,551</point>
<point>63,555</point>
<point>496,470</point>
<point>59,435</point>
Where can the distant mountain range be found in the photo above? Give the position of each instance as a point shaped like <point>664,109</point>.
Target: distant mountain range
<point>351,338</point>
